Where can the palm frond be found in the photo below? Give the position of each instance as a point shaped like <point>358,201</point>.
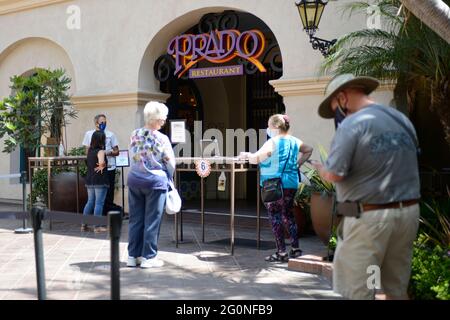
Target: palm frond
<point>374,37</point>
<point>365,60</point>
<point>388,8</point>
<point>366,50</point>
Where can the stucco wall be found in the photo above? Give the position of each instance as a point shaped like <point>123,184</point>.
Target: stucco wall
<point>113,55</point>
<point>108,51</point>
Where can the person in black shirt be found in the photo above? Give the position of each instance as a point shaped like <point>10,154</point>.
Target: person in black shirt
<point>97,182</point>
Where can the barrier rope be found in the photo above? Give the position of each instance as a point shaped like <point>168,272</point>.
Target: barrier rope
<point>9,176</point>
<point>61,216</point>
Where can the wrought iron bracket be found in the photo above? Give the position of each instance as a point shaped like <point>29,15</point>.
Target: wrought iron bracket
<point>321,44</point>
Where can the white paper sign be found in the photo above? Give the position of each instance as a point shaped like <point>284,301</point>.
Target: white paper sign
<point>123,159</point>
<point>178,131</point>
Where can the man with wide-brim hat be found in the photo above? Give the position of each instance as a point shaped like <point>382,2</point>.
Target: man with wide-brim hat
<point>373,162</point>
<point>339,84</point>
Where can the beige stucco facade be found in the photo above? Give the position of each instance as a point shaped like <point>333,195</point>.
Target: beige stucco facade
<point>111,58</point>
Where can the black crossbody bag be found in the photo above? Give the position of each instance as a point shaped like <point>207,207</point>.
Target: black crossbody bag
<point>272,189</point>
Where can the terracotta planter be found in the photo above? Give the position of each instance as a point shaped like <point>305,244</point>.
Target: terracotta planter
<point>321,214</point>
<point>63,192</point>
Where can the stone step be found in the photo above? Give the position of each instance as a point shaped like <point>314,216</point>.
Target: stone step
<point>312,264</point>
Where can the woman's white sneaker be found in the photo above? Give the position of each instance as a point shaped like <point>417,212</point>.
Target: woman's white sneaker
<point>151,263</point>
<point>134,262</point>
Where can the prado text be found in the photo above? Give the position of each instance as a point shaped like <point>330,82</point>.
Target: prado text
<point>231,309</point>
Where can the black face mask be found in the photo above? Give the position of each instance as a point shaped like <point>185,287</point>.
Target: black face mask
<point>339,115</point>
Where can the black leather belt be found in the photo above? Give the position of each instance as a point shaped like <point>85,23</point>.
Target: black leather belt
<point>391,205</point>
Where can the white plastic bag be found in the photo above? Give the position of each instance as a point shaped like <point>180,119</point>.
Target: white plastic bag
<point>173,200</point>
<point>304,179</point>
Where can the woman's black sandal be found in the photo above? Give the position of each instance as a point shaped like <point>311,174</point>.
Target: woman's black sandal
<point>277,257</point>
<point>295,253</point>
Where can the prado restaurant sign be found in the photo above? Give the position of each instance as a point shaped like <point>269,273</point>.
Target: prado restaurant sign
<point>216,47</point>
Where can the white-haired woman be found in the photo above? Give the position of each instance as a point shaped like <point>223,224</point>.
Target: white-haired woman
<point>152,166</point>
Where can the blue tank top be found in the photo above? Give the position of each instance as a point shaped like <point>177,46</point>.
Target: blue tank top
<point>273,166</point>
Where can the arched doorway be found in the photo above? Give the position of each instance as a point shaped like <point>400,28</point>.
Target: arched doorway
<point>243,101</point>
<point>261,99</point>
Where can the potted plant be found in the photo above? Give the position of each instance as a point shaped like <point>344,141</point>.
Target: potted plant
<point>63,186</point>
<point>38,109</point>
<point>321,201</point>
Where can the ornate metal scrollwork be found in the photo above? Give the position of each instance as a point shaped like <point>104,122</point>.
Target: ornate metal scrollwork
<point>322,45</point>
<point>229,20</point>
<point>213,21</point>
<point>273,52</point>
<point>249,68</point>
<point>270,56</point>
<point>164,67</point>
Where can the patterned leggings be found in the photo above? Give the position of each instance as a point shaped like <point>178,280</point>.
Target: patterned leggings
<point>281,212</point>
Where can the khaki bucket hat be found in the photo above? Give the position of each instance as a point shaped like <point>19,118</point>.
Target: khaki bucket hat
<point>368,84</point>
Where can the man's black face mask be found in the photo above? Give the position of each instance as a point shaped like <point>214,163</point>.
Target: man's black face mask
<point>339,116</point>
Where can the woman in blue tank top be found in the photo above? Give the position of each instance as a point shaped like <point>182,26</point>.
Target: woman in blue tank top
<point>280,157</point>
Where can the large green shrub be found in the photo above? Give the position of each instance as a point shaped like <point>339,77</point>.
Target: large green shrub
<point>40,187</point>
<point>430,273</point>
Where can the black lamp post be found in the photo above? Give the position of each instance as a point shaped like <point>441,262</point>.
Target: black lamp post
<point>310,12</point>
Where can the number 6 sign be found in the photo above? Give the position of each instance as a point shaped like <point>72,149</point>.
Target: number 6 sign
<point>203,168</point>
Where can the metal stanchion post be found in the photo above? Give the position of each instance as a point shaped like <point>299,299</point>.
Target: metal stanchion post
<point>115,225</point>
<point>123,195</point>
<point>232,196</point>
<point>175,215</point>
<point>37,215</point>
<point>202,205</point>
<point>258,211</point>
<point>24,228</point>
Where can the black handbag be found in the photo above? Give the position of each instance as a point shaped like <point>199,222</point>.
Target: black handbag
<point>272,189</point>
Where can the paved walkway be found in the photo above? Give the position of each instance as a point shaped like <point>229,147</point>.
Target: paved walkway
<point>77,267</point>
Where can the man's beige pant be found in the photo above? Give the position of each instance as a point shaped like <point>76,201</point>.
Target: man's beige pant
<point>378,240</point>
